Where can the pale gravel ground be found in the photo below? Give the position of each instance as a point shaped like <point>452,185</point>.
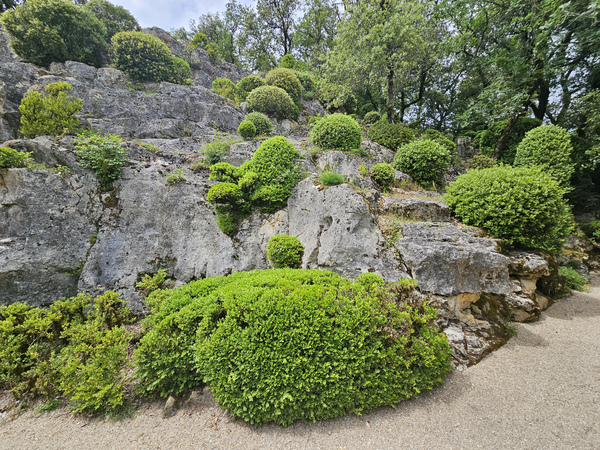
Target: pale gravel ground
<point>540,391</point>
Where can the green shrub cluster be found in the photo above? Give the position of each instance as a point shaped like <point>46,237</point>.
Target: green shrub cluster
<point>287,62</point>
<point>548,147</point>
<point>212,50</point>
<point>371,117</point>
<point>482,162</point>
<point>50,113</point>
<point>215,150</point>
<point>12,159</point>
<point>521,205</point>
<point>486,140</point>
<point>391,135</point>
<point>46,31</point>
<point>104,155</point>
<point>309,87</point>
<point>337,132</point>
<point>247,130</point>
<point>329,178</point>
<point>145,57</point>
<point>77,348</point>
<point>285,251</point>
<point>199,41</point>
<point>257,339</point>
<point>383,174</point>
<point>248,84</point>
<point>440,138</point>
<point>287,80</point>
<point>114,18</point>
<point>265,182</point>
<point>261,122</point>
<point>226,88</point>
<point>425,161</point>
<point>272,101</point>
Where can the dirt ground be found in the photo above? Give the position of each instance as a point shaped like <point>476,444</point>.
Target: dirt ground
<point>541,390</point>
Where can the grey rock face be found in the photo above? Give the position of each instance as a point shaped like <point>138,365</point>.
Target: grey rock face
<point>527,264</point>
<point>417,209</point>
<point>448,261</point>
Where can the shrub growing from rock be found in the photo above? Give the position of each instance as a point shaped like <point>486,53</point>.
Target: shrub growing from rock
<point>285,251</point>
<point>52,112</point>
<point>550,148</point>
<point>425,161</point>
<point>337,132</point>
<point>225,87</point>
<point>248,84</point>
<point>383,174</point>
<point>391,135</point>
<point>272,101</point>
<point>287,80</point>
<point>521,205</point>
<point>247,130</point>
<point>12,159</point>
<point>199,41</point>
<point>371,117</point>
<point>329,178</point>
<point>105,155</point>
<point>261,122</point>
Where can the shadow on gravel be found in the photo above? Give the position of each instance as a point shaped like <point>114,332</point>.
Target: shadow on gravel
<point>528,338</point>
<point>579,304</point>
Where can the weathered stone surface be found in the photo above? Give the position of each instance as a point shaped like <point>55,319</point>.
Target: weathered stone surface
<point>46,223</point>
<point>313,108</point>
<point>339,232</point>
<point>348,164</point>
<point>6,53</point>
<point>448,261</point>
<point>253,236</point>
<point>417,209</point>
<point>527,264</point>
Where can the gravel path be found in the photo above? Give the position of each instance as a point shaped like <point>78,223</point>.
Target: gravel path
<point>541,390</point>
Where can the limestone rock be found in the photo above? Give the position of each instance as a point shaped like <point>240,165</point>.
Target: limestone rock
<point>527,264</point>
<point>417,209</point>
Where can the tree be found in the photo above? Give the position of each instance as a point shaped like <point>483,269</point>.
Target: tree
<point>280,17</point>
<point>315,31</point>
<point>115,18</point>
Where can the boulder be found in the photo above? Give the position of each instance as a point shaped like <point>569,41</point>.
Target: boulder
<point>416,209</point>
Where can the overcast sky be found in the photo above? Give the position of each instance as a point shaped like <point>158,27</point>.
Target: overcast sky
<point>171,14</point>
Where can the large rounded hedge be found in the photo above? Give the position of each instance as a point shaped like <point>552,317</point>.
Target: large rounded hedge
<point>287,80</point>
<point>337,132</point>
<point>272,101</point>
<point>550,148</point>
<point>524,206</point>
<point>258,339</point>
<point>391,135</point>
<point>426,161</point>
<point>248,84</point>
<point>261,122</point>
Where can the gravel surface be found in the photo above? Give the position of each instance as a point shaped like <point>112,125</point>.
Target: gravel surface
<point>539,391</point>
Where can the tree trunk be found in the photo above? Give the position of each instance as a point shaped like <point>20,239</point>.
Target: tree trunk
<point>506,134</point>
<point>390,96</point>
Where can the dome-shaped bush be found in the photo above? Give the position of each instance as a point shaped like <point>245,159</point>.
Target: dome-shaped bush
<point>272,160</point>
<point>224,193</point>
<point>287,80</point>
<point>383,174</point>
<point>247,130</point>
<point>272,101</point>
<point>200,41</point>
<point>425,161</point>
<point>261,122</point>
<point>371,117</point>
<point>287,62</point>
<point>391,135</point>
<point>337,132</point>
<point>285,251</point>
<point>550,148</point>
<point>522,205</point>
<point>248,84</point>
<point>225,87</point>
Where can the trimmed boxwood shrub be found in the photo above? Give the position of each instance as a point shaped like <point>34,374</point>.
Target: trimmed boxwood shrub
<point>371,117</point>
<point>287,62</point>
<point>285,251</point>
<point>337,132</point>
<point>10,158</point>
<point>287,80</point>
<point>224,193</point>
<point>225,87</point>
<point>272,101</point>
<point>258,339</point>
<point>247,130</point>
<point>273,159</point>
<point>248,84</point>
<point>521,205</point>
<point>391,135</point>
<point>426,161</point>
<point>383,174</point>
<point>550,148</point>
<point>261,122</point>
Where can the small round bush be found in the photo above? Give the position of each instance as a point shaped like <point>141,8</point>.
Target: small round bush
<point>482,162</point>
<point>225,87</point>
<point>272,101</point>
<point>247,130</point>
<point>328,178</point>
<point>200,41</point>
<point>10,158</point>
<point>383,174</point>
<point>212,50</point>
<point>337,132</point>
<point>550,148</point>
<point>285,251</point>
<point>224,193</point>
<point>248,84</point>
<point>273,159</point>
<point>287,80</point>
<point>371,117</point>
<point>521,205</point>
<point>391,135</point>
<point>261,122</point>
<point>288,62</point>
<point>425,161</point>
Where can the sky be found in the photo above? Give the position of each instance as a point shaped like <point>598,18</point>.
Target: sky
<point>167,14</point>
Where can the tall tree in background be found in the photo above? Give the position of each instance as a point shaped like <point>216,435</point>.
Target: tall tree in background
<point>280,17</point>
<point>315,31</point>
<point>5,5</point>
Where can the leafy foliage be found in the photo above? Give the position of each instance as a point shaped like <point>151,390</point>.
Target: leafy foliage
<point>487,140</point>
<point>114,18</point>
<point>287,61</point>
<point>225,87</point>
<point>285,251</point>
<point>337,132</point>
<point>272,101</point>
<point>247,130</point>
<point>50,113</point>
<point>371,117</point>
<point>426,161</point>
<point>573,279</point>
<point>261,122</point>
<point>287,80</point>
<point>391,135</point>
<point>105,155</point>
<point>482,162</point>
<point>200,41</point>
<point>215,150</point>
<point>309,87</point>
<point>522,205</point>
<point>11,158</point>
<point>383,174</point>
<point>329,178</point>
<point>248,84</point>
<point>440,138</point>
<point>46,31</point>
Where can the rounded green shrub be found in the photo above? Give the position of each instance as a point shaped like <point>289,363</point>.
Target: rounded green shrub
<point>440,138</point>
<point>287,80</point>
<point>12,159</point>
<point>46,31</point>
<point>114,18</point>
<point>224,193</point>
<point>482,162</point>
<point>261,122</point>
<point>247,130</point>
<point>371,117</point>
<point>212,50</point>
<point>273,159</point>
<point>425,161</point>
<point>199,41</point>
<point>521,205</point>
<point>145,57</point>
<point>337,132</point>
<point>248,181</point>
<point>248,84</point>
<point>272,101</point>
<point>549,147</point>
<point>225,87</point>
<point>383,174</point>
<point>285,251</point>
<point>391,135</point>
<point>287,62</point>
